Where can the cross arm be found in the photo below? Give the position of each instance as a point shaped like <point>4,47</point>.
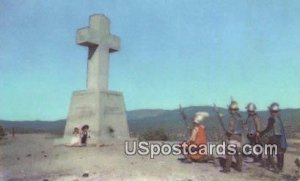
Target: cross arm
<point>113,43</point>
<point>84,37</point>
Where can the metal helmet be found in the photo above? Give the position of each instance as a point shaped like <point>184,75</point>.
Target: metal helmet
<point>274,107</point>
<point>233,105</point>
<point>251,107</point>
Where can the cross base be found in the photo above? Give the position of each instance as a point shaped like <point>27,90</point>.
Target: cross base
<point>103,111</point>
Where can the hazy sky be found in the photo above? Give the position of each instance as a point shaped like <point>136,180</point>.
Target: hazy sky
<point>188,52</point>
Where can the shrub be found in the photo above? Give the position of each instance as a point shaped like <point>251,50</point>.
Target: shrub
<point>154,135</point>
<point>2,132</point>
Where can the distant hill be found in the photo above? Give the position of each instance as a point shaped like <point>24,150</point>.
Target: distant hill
<point>143,113</point>
<point>171,121</point>
<point>168,120</point>
<point>34,126</point>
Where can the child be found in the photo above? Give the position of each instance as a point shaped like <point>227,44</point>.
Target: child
<point>84,134</point>
<point>76,137</point>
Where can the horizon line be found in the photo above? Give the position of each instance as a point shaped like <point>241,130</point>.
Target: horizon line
<point>59,119</point>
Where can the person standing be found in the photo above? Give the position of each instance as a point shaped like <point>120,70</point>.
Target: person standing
<point>253,123</point>
<point>277,136</point>
<point>234,135</point>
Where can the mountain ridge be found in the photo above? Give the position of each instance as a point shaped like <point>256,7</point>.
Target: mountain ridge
<point>142,120</point>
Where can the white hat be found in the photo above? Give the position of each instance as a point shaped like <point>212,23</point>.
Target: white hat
<point>200,116</point>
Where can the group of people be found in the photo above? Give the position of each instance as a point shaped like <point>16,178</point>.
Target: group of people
<point>273,134</point>
<point>80,136</point>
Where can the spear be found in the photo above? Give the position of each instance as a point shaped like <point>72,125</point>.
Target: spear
<point>184,119</point>
<point>220,117</point>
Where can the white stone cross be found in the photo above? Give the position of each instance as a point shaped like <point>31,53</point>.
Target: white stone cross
<point>101,42</point>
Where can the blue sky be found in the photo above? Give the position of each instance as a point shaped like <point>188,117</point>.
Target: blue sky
<point>188,52</point>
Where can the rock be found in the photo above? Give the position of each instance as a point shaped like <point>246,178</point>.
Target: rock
<point>297,162</point>
<point>45,156</point>
<point>28,155</point>
<point>85,175</point>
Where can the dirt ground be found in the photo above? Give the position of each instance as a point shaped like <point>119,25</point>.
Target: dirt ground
<point>34,157</point>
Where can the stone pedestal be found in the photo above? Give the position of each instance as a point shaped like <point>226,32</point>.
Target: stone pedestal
<point>103,111</point>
